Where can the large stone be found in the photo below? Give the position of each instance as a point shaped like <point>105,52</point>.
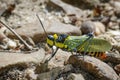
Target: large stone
<point>59,59</point>
<point>36,32</point>
<point>87,27</point>
<point>9,60</point>
<point>113,58</point>
<point>68,9</point>
<point>94,66</point>
<point>90,26</point>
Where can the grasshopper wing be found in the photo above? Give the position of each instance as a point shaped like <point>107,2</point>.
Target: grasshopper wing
<point>80,43</point>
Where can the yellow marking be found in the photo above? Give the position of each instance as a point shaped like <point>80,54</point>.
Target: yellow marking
<point>50,42</point>
<point>96,54</point>
<point>60,45</point>
<point>55,36</point>
<point>65,46</point>
<point>92,54</point>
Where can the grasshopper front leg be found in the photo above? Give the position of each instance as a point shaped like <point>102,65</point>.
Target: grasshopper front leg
<point>54,51</point>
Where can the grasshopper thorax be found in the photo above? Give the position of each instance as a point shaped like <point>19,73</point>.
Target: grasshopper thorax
<point>51,39</point>
<point>56,40</point>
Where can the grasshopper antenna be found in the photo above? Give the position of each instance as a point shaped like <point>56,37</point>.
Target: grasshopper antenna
<point>41,24</point>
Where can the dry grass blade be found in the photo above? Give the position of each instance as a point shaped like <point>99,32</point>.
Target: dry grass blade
<point>19,37</point>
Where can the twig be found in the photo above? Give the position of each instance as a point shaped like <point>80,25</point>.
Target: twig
<point>18,36</point>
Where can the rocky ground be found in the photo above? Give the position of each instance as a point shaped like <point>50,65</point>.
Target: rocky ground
<point>24,60</point>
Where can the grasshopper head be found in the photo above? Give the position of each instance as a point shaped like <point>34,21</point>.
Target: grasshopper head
<point>57,40</point>
<point>51,39</point>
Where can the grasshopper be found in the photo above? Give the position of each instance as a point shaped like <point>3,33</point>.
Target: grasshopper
<point>86,44</point>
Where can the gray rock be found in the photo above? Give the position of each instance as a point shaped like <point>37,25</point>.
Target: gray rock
<point>35,31</point>
<point>8,60</point>
<point>74,76</point>
<point>68,9</point>
<point>117,47</point>
<point>117,68</point>
<point>116,5</point>
<point>113,58</point>
<point>94,66</point>
<point>89,26</point>
<point>83,3</point>
<point>50,75</point>
<point>99,28</point>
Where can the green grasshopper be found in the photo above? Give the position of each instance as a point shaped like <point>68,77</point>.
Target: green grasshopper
<point>87,44</point>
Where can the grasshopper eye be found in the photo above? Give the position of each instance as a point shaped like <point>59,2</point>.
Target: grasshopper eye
<point>50,40</point>
<point>50,37</point>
